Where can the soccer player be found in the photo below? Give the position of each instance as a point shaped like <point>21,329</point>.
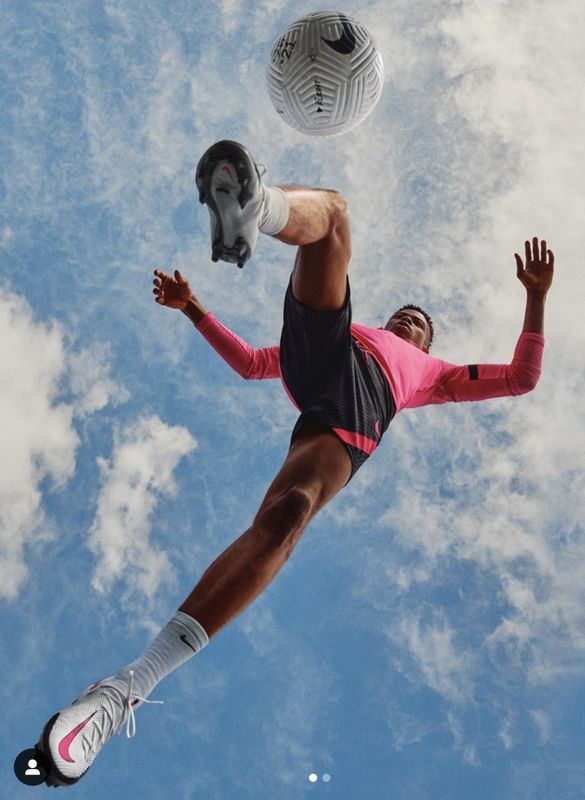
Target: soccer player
<point>346,379</point>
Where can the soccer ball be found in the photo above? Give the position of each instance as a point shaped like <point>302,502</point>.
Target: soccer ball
<point>325,74</point>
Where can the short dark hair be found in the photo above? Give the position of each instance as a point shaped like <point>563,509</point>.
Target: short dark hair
<point>425,315</point>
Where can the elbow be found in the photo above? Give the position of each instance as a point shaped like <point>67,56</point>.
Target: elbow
<point>247,370</point>
<point>250,373</point>
<point>526,383</point>
<point>255,370</point>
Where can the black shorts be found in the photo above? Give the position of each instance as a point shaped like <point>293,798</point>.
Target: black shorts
<point>333,381</point>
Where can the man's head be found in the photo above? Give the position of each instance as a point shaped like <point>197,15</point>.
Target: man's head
<point>413,324</point>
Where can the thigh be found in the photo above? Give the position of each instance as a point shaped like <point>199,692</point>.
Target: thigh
<point>317,463</point>
<point>320,270</point>
<point>357,406</point>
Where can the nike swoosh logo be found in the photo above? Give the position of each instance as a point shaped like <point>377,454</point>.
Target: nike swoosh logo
<point>229,172</point>
<point>183,638</point>
<point>347,42</point>
<point>67,741</point>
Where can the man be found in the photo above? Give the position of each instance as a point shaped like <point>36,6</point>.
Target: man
<point>347,380</point>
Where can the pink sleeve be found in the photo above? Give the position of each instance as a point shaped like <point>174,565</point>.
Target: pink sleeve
<point>483,381</point>
<point>241,357</point>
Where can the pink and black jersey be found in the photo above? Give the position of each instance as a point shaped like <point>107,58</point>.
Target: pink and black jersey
<point>415,377</point>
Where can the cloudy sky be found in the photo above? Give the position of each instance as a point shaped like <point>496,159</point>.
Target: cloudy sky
<point>427,638</point>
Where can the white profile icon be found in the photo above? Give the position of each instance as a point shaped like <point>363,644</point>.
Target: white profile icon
<point>32,768</point>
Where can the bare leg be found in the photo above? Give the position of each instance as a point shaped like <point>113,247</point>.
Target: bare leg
<point>315,469</point>
<point>317,465</point>
<point>319,224</point>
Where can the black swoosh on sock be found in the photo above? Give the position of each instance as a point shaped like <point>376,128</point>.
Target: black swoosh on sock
<point>183,638</point>
<point>347,42</point>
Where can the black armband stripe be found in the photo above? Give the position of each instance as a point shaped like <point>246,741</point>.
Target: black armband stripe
<point>473,372</point>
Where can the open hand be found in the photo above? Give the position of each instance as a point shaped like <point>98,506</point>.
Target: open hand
<point>537,275</point>
<point>172,292</point>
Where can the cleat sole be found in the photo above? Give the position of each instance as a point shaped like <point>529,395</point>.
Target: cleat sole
<point>242,162</point>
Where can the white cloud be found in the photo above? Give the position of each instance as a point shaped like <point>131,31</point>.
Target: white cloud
<point>505,733</point>
<point>259,628</point>
<point>468,751</point>
<point>39,440</point>
<point>445,665</point>
<point>543,724</point>
<point>90,381</point>
<point>135,480</point>
<point>232,14</point>
<point>477,498</point>
<point>406,728</point>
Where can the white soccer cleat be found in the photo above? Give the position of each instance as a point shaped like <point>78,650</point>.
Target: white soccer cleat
<point>229,183</point>
<point>74,737</point>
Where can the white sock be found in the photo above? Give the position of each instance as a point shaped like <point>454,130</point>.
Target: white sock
<point>275,211</point>
<point>181,638</point>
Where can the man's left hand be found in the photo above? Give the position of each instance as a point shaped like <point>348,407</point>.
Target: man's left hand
<point>537,275</point>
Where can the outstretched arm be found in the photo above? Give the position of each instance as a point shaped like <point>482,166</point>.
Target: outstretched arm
<point>484,381</point>
<point>536,277</point>
<point>246,360</point>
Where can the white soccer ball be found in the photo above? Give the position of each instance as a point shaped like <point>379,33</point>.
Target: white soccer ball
<point>325,74</point>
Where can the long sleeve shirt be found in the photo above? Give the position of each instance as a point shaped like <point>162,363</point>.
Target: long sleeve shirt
<point>415,378</point>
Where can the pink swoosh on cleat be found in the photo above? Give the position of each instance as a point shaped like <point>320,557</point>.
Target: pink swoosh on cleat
<point>67,741</point>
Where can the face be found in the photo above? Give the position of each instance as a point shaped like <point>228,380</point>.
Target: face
<point>412,326</point>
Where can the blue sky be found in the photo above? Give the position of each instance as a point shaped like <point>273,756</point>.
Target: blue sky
<point>427,637</point>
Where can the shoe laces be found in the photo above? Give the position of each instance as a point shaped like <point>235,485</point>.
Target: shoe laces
<point>114,701</point>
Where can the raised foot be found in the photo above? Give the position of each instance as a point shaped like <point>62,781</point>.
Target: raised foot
<point>229,183</point>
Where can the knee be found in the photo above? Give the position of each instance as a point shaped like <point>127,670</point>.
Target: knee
<point>284,517</point>
<point>338,208</point>
<point>339,222</point>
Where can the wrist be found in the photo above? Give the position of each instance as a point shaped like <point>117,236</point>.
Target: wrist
<point>534,313</point>
<point>537,294</point>
<point>194,310</point>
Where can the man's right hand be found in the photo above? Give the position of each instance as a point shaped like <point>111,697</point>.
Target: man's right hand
<point>172,292</point>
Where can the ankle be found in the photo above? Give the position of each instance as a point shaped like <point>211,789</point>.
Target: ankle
<point>275,211</point>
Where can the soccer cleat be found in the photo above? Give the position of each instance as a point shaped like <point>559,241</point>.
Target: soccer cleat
<point>229,183</point>
<point>74,737</point>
